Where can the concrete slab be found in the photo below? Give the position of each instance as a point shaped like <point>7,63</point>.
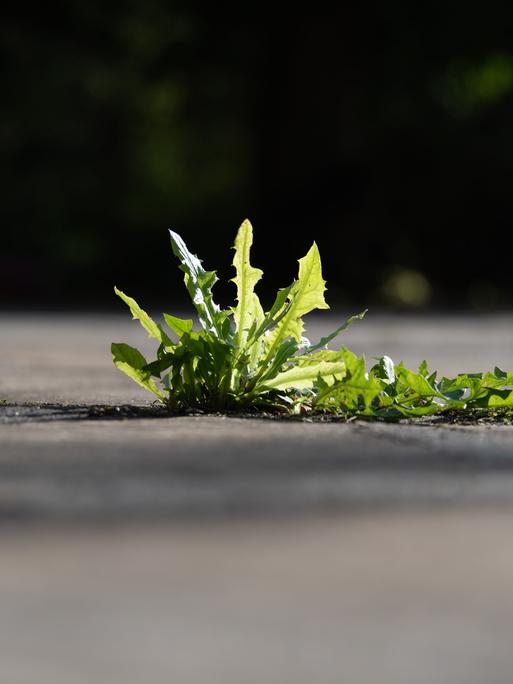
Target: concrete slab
<point>228,551</point>
<point>203,466</point>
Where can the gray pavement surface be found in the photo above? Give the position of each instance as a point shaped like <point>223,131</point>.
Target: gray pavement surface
<point>188,466</point>
<point>213,465</point>
<point>66,357</point>
<point>230,551</point>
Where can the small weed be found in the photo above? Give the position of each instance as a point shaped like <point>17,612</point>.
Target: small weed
<point>246,359</point>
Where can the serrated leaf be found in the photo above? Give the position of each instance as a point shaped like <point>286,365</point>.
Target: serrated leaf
<point>415,382</point>
<point>356,390</point>
<point>423,369</point>
<point>305,295</point>
<point>497,379</point>
<point>478,385</point>
<point>199,284</point>
<point>153,329</point>
<point>248,313</point>
<point>131,362</point>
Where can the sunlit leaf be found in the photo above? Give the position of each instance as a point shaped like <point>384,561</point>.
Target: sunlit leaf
<point>248,311</point>
<point>199,284</point>
<point>179,326</point>
<point>302,377</point>
<point>153,329</point>
<point>305,295</point>
<point>131,362</point>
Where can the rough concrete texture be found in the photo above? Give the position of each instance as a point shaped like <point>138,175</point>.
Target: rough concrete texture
<point>229,551</point>
<point>201,466</point>
<point>104,470</point>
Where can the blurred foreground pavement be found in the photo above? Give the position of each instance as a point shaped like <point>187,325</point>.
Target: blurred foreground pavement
<point>244,551</point>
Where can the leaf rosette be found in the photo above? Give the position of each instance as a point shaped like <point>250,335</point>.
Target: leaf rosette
<point>246,358</point>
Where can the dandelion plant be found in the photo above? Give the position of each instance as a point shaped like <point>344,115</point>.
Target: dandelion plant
<point>246,358</point>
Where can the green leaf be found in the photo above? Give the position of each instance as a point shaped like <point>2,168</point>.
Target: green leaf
<point>275,314</point>
<point>493,399</point>
<point>248,311</point>
<point>326,340</point>
<point>384,370</point>
<point>199,284</point>
<point>415,382</point>
<point>303,377</point>
<point>131,362</point>
<point>423,369</point>
<point>487,390</point>
<point>156,368</point>
<point>355,391</point>
<point>153,329</point>
<point>258,339</point>
<point>428,409</point>
<point>269,370</point>
<point>498,378</point>
<point>305,295</point>
<point>320,355</point>
<point>478,385</point>
<point>179,326</point>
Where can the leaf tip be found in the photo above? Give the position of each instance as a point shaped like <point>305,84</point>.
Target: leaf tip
<point>114,349</point>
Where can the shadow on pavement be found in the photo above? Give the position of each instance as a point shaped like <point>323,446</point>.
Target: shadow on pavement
<point>30,412</point>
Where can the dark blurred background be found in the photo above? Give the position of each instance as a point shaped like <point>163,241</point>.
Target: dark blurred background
<point>383,132</point>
